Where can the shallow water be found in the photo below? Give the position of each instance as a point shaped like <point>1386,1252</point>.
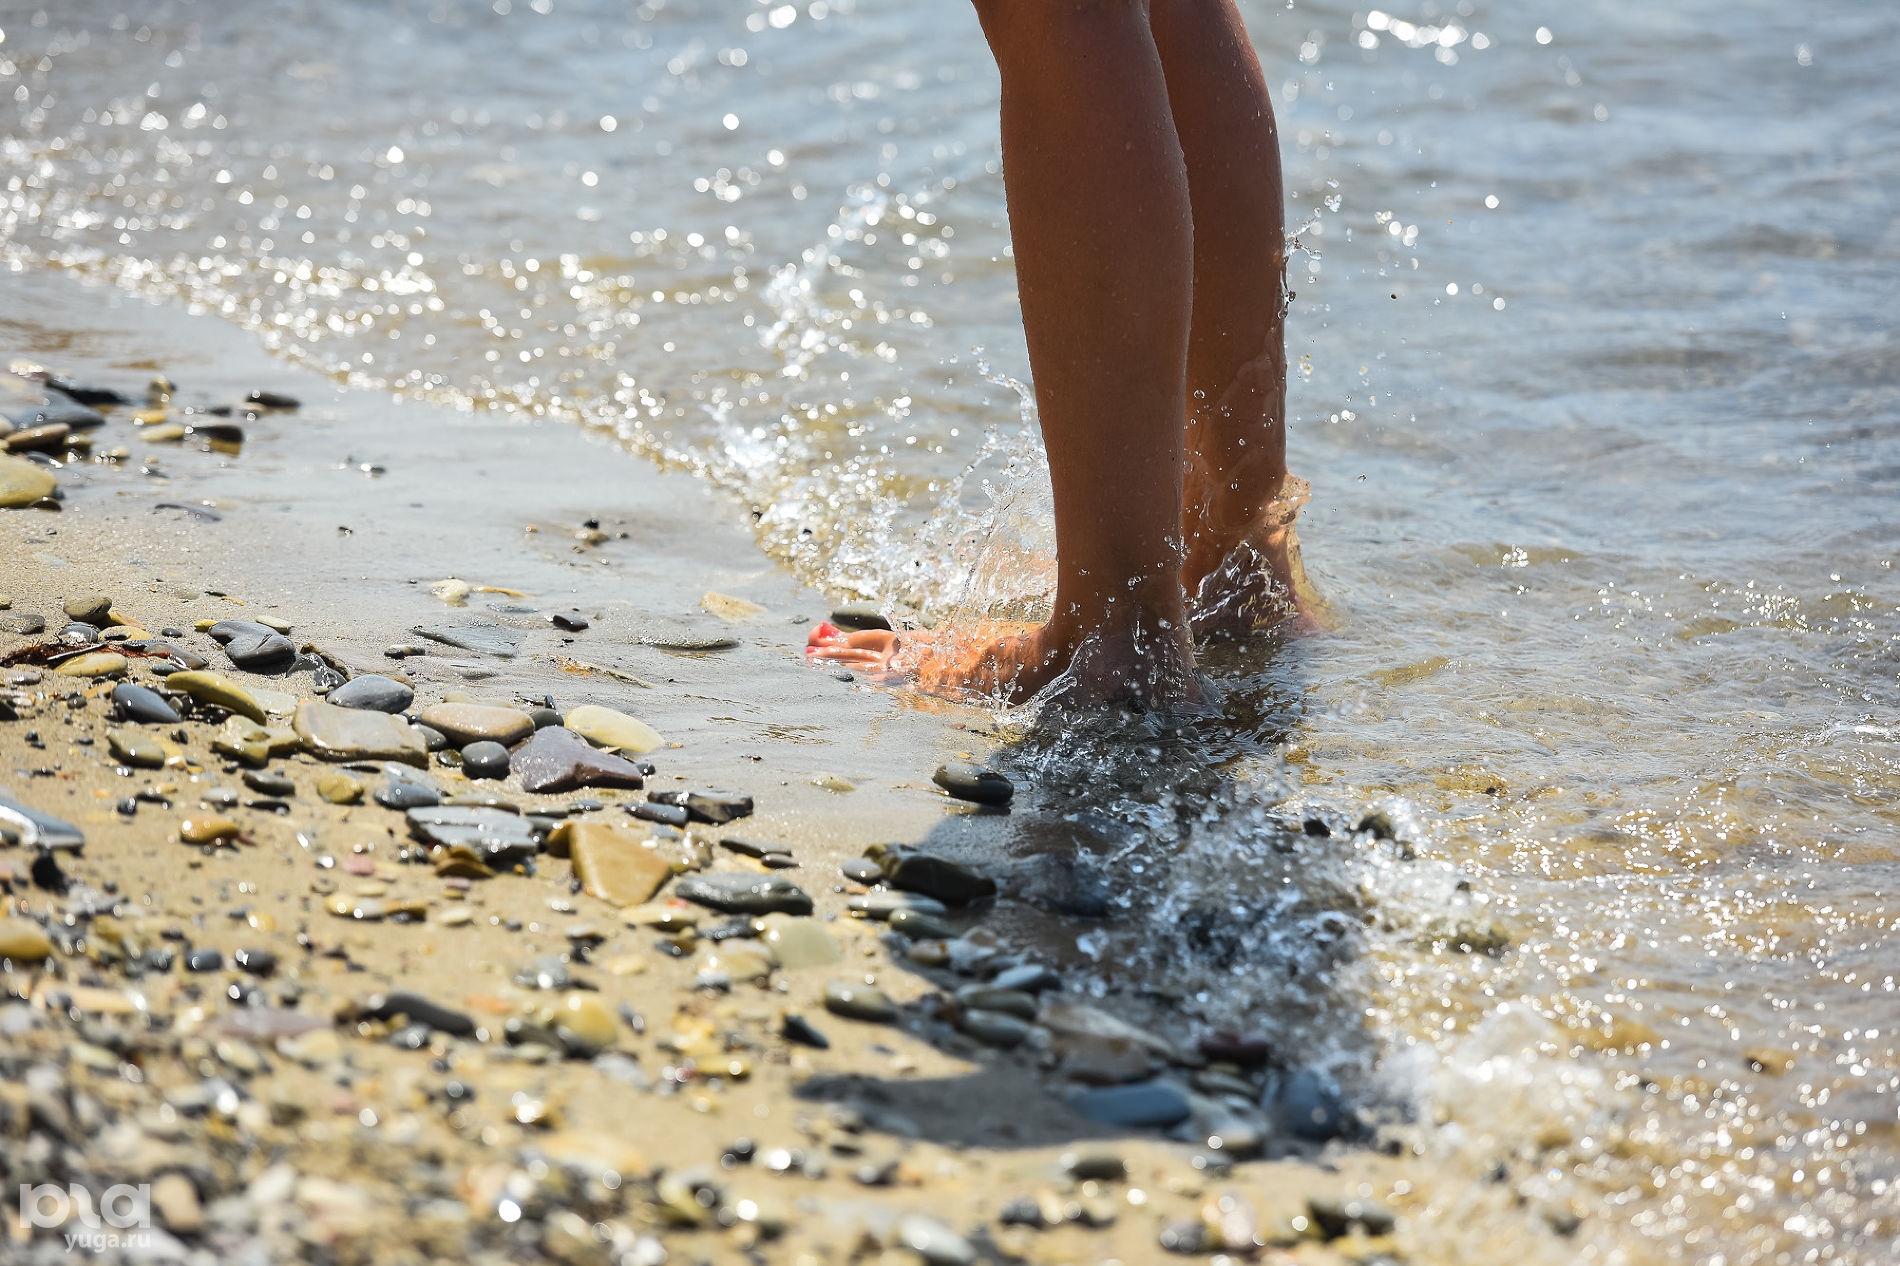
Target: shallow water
<point>1604,488</point>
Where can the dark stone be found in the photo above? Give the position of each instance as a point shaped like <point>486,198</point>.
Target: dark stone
<point>1309,1105</point>
<point>1336,1216</point>
<point>269,783</point>
<point>863,870</point>
<point>387,1006</point>
<point>950,882</point>
<point>85,394</point>
<point>407,791</point>
<point>572,621</point>
<point>1022,1211</point>
<point>1190,1239</point>
<point>716,808</point>
<point>433,739</point>
<point>204,960</point>
<point>918,926</point>
<point>372,692</point>
<point>1249,1050</point>
<point>975,784</point>
<point>273,400</point>
<point>59,411</point>
<point>143,705</point>
<point>1317,828</point>
<point>751,848</point>
<point>743,894</point>
<point>485,760</point>
<point>258,962</point>
<point>42,830</point>
<point>859,615</point>
<point>1152,1104</point>
<point>558,759</point>
<point>544,717</point>
<point>487,639</point>
<point>25,624</point>
<point>501,839</point>
<point>667,814</point>
<point>1379,825</point>
<point>270,652</point>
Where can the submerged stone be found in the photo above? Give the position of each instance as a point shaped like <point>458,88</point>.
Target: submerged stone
<point>334,733</point>
<point>949,881</point>
<point>487,639</point>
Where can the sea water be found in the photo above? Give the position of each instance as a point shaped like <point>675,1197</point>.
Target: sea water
<point>1593,373</point>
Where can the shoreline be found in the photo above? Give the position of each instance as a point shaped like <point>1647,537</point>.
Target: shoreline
<point>324,1112</point>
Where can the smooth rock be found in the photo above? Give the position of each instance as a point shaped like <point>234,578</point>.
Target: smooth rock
<point>796,1028</point>
<point>948,881</point>
<point>273,400</point>
<point>1152,1104</point>
<point>1028,978</point>
<point>1337,1216</point>
<point>585,1024</point>
<point>212,830</point>
<point>934,1242</point>
<point>22,483</point>
<point>465,723</point>
<point>1308,1104</point>
<point>859,615</point>
<point>94,609</point>
<point>339,788</point>
<point>1102,1061</point>
<point>734,959</point>
<point>24,941</point>
<point>419,1010</point>
<point>715,808</point>
<point>218,691</point>
<point>245,740</point>
<point>93,664</point>
<point>797,942</point>
<point>255,646</point>
<point>605,727</point>
<point>51,438</point>
<point>740,893</point>
<point>204,959</point>
<point>403,790</point>
<point>1059,884</point>
<point>975,784</point>
<point>372,692</point>
<point>485,760</point>
<point>500,839</point>
<point>142,705</point>
<point>991,998</point>
<point>544,717</point>
<point>855,1000</point>
<point>994,1028</point>
<point>558,759</point>
<point>487,639</point>
<point>665,814</point>
<point>918,926</point>
<point>25,624</point>
<point>130,747</point>
<point>258,962</point>
<point>267,783</point>
<point>334,733</point>
<point>60,410</point>
<point>881,904</point>
<point>614,863</point>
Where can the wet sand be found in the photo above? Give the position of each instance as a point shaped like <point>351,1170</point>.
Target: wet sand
<point>271,1116</point>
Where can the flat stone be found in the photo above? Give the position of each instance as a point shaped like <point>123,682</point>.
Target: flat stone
<point>26,624</point>
<point>735,959</point>
<point>39,830</point>
<point>59,410</point>
<point>605,727</point>
<point>585,1024</point>
<point>918,926</point>
<point>372,692</point>
<point>1151,1105</point>
<point>500,839</point>
<point>715,808</point>
<point>975,784</point>
<point>268,783</point>
<point>994,1028</point>
<point>93,664</point>
<point>680,635</point>
<point>404,789</point>
<point>990,998</point>
<point>797,942</point>
<point>665,814</point>
<point>614,863</point>
<point>208,830</point>
<point>142,705</point>
<point>862,870</point>
<point>948,881</point>
<point>859,615</point>
<point>879,906</point>
<point>855,1000</point>
<point>243,739</point>
<point>339,788</point>
<point>465,723</point>
<point>1309,1105</point>
<point>485,760</point>
<point>334,733</point>
<point>1028,978</point>
<point>558,759</point>
<point>486,639</point>
<point>255,646</point>
<point>22,483</point>
<point>219,691</point>
<point>739,893</point>
<point>129,747</point>
<point>51,438</point>
<point>93,608</point>
<point>419,1010</point>
<point>24,941</point>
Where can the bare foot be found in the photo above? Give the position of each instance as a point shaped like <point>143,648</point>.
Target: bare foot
<point>1247,579</point>
<point>1008,662</point>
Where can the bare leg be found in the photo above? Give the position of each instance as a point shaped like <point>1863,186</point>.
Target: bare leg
<point>1099,215</point>
<point>1236,471</point>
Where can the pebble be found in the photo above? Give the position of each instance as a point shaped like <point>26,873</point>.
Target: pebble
<point>208,830</point>
<point>715,808</point>
<point>679,635</point>
<point>142,705</point>
<point>1028,978</point>
<point>202,960</point>
<point>665,814</point>
<point>796,1028</point>
<point>93,664</point>
<point>948,881</point>
<point>77,634</point>
<point>994,1028</point>
<point>254,646</point>
<point>862,870</point>
<point>245,740</point>
<point>544,717</point>
<point>739,893</point>
<point>558,759</point>
<point>273,400</point>
<point>268,783</point>
<point>613,863</point>
<point>419,1010</point>
<point>258,962</point>
<point>991,998</point>
<point>175,1201</point>
<point>94,609</point>
<point>1093,1166</point>
<point>130,747</point>
<point>485,760</point>
<point>859,615</point>
<point>486,639</point>
<point>1249,1050</point>
<point>1336,1216</point>
<point>372,692</point>
<point>855,1000</point>
<point>605,727</point>
<point>934,1242</point>
<point>735,960</point>
<point>797,943</point>
<point>1156,1104</point>
<point>25,625</point>
<point>338,734</point>
<point>1308,1104</point>
<point>975,784</point>
<point>585,1024</point>
<point>24,941</point>
<point>880,905</point>
<point>465,723</point>
<point>219,691</point>
<point>402,789</point>
<point>339,788</point>
<point>918,926</point>
<point>500,839</point>
<point>22,483</point>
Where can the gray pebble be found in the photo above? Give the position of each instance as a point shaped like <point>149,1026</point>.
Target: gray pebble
<point>740,893</point>
<point>143,705</point>
<point>975,784</point>
<point>485,760</point>
<point>372,692</point>
<point>1153,1104</point>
